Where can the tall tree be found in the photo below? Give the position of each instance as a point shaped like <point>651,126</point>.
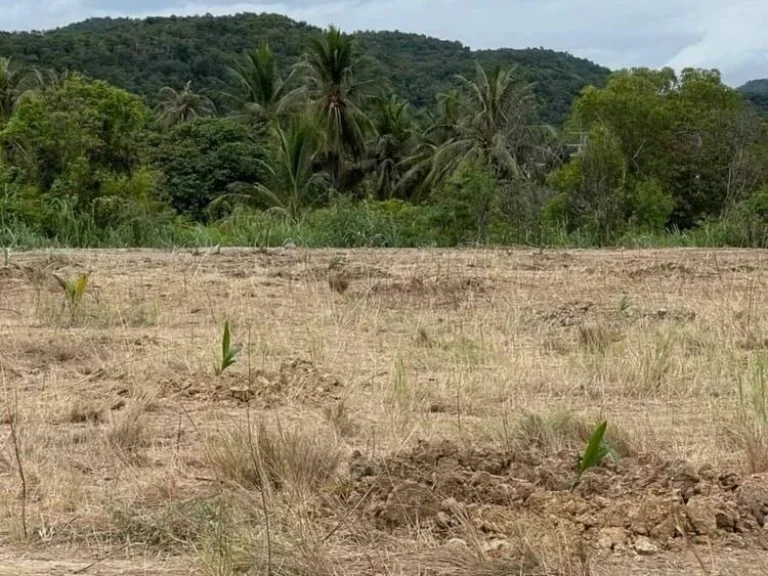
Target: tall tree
<point>14,83</point>
<point>328,69</point>
<point>179,107</point>
<point>494,126</point>
<point>292,184</point>
<point>393,140</point>
<point>260,91</point>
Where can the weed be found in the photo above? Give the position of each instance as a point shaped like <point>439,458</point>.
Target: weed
<point>624,304</point>
<point>80,412</point>
<point>753,424</point>
<point>228,351</point>
<point>74,291</point>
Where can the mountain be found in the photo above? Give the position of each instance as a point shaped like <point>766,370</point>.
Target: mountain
<point>144,55</point>
<point>756,92</point>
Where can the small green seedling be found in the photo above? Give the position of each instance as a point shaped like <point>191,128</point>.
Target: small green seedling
<point>624,304</point>
<point>74,290</point>
<point>597,450</point>
<point>228,351</point>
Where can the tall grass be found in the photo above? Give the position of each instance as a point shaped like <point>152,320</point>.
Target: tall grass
<point>344,223</point>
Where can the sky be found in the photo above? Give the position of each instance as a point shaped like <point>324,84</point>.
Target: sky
<point>724,34</point>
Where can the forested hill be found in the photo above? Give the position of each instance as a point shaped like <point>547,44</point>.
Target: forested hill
<point>143,56</point>
<point>756,92</point>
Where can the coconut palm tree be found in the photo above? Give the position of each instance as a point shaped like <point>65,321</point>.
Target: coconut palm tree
<point>179,107</point>
<point>293,184</point>
<point>328,70</point>
<point>14,83</point>
<point>261,92</point>
<point>494,126</point>
<point>393,141</point>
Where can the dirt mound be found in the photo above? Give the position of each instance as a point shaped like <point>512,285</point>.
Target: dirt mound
<point>640,502</point>
<point>297,381</point>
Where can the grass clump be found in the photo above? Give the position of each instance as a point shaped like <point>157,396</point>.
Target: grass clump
<point>174,525</point>
<point>752,427</point>
<point>283,460</point>
<point>127,432</point>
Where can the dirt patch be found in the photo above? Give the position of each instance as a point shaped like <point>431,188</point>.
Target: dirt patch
<point>442,290</point>
<point>296,381</point>
<point>641,502</point>
<point>660,269</point>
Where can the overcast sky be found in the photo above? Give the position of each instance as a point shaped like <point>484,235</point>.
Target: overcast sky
<point>725,34</point>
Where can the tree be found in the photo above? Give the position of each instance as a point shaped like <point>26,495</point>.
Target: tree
<point>200,159</point>
<point>494,127</point>
<point>76,151</point>
<point>328,70</point>
<point>261,92</point>
<point>292,185</point>
<point>179,107</point>
<point>67,138</point>
<point>691,135</point>
<point>393,141</point>
<point>14,83</point>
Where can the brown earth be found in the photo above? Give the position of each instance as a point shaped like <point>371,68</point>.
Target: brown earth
<point>392,412</point>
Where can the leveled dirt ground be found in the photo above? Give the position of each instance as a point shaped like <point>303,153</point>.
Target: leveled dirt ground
<point>391,412</point>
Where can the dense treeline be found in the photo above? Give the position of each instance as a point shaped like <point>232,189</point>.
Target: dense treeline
<point>143,56</point>
<point>756,93</point>
<point>322,152</point>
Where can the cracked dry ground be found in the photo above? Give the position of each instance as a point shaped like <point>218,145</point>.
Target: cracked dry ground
<point>391,412</point>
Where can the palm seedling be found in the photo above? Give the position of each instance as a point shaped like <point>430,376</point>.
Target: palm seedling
<point>74,290</point>
<point>229,351</point>
<point>597,450</point>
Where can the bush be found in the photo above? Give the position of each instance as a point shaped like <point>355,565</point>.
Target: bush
<point>649,206</point>
<point>464,205</point>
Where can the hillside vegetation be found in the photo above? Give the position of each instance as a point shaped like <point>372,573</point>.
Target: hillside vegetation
<point>257,130</point>
<point>142,56</point>
<point>756,92</point>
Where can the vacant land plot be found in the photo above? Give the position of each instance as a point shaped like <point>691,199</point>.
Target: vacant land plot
<point>387,412</point>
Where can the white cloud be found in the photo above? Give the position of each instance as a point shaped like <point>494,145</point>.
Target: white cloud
<point>616,33</point>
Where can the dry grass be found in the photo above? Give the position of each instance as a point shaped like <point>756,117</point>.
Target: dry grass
<point>133,449</point>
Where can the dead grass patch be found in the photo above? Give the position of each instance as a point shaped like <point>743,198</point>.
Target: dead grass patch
<point>286,460</point>
<point>127,432</point>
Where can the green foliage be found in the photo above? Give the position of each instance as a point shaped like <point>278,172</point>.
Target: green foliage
<point>649,206</point>
<point>464,205</point>
<point>178,107</point>
<point>143,56</point>
<point>597,450</point>
<point>591,188</point>
<point>330,154</point>
<point>228,351</point>
<point>328,71</point>
<point>69,142</point>
<point>292,185</point>
<point>201,159</point>
<point>691,135</point>
<point>74,291</point>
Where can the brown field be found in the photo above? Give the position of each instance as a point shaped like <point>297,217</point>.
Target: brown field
<point>391,413</point>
